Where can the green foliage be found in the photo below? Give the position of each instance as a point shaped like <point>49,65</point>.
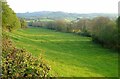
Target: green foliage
<point>19,63</point>
<point>9,19</point>
<point>105,32</point>
<point>23,23</point>
<point>58,25</point>
<point>102,29</point>
<point>50,25</point>
<point>118,22</point>
<point>61,25</point>
<point>68,54</point>
<point>118,29</point>
<point>84,25</point>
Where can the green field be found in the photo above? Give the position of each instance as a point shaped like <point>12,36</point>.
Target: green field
<point>69,55</point>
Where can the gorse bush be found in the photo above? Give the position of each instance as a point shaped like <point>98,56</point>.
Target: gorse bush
<point>19,63</point>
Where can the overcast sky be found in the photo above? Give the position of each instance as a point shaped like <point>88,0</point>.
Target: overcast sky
<point>71,6</point>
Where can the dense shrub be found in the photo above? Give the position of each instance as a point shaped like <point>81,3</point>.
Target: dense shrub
<point>19,63</point>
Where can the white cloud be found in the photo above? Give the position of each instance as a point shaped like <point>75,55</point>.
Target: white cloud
<point>78,6</point>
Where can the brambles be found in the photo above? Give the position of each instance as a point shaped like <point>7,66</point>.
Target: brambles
<point>19,63</point>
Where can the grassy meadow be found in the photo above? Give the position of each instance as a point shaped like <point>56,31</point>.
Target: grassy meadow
<point>69,55</point>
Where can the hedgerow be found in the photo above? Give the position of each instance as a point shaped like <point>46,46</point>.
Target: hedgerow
<point>19,63</point>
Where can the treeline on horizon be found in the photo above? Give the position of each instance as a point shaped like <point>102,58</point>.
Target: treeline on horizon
<point>103,30</point>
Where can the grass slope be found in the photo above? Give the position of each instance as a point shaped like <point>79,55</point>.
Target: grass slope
<point>69,55</point>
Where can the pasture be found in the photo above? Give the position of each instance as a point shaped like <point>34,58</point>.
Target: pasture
<point>69,55</point>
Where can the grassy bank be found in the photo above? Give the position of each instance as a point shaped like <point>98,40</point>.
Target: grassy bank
<point>68,54</point>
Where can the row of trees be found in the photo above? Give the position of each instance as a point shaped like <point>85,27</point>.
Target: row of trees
<point>103,30</point>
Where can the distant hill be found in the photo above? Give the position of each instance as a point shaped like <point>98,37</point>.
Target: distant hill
<point>62,15</point>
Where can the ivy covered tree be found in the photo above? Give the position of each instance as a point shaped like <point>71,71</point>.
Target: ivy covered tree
<point>10,21</point>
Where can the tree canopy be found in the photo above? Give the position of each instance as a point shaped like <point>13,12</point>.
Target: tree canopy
<point>9,19</point>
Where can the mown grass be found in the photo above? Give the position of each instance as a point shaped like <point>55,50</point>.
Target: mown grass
<point>69,55</point>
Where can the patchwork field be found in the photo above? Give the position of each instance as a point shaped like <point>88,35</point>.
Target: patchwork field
<point>69,55</point>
